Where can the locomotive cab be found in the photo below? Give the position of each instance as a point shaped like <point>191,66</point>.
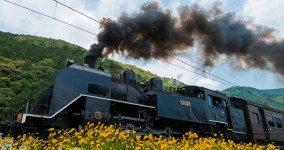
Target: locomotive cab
<point>217,103</point>
<point>192,91</point>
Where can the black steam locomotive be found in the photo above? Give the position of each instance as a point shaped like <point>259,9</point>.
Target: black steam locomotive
<point>82,94</point>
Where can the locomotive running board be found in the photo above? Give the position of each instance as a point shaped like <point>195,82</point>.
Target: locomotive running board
<point>218,121</point>
<point>238,132</point>
<point>81,95</point>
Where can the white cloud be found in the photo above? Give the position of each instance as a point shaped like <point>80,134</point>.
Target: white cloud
<point>208,83</point>
<point>18,20</point>
<point>266,13</point>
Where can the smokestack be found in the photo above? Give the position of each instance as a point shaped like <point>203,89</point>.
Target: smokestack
<point>155,33</point>
<point>93,54</point>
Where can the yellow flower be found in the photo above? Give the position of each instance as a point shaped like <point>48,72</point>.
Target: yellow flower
<point>81,141</point>
<point>109,137</point>
<point>270,146</point>
<point>50,129</point>
<point>138,137</point>
<point>54,141</point>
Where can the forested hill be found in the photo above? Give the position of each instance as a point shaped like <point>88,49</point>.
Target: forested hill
<point>34,49</point>
<point>271,98</point>
<point>30,62</point>
<point>275,91</point>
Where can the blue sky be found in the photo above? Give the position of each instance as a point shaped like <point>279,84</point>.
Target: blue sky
<point>262,12</point>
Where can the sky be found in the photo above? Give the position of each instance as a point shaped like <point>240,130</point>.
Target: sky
<point>17,20</point>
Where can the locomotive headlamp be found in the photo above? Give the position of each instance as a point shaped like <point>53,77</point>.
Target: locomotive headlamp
<point>97,115</point>
<point>19,117</point>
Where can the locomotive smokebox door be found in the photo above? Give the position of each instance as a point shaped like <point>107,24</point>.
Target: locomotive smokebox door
<point>96,110</point>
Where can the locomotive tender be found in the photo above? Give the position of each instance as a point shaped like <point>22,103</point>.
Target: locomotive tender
<point>82,93</point>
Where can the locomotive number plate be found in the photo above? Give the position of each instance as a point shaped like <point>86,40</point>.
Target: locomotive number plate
<point>185,103</point>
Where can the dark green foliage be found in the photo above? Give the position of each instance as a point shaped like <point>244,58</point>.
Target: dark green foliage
<point>34,49</point>
<point>275,91</point>
<point>28,62</point>
<point>3,106</point>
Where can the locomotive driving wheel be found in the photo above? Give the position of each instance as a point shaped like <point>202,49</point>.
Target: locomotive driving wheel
<point>168,131</point>
<point>11,129</point>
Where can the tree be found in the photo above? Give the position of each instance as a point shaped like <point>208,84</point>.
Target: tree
<point>3,107</point>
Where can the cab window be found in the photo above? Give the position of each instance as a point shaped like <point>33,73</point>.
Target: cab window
<point>215,102</point>
<point>209,98</point>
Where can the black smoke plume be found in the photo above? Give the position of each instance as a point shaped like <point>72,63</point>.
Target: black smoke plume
<point>156,33</point>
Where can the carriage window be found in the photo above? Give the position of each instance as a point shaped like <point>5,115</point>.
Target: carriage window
<point>270,121</point>
<point>278,123</point>
<point>256,118</point>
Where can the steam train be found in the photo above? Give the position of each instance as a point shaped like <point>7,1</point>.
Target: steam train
<point>82,93</point>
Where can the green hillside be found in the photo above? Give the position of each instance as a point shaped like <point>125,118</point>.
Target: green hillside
<point>28,65</point>
<point>275,91</point>
<point>271,98</point>
<point>29,62</point>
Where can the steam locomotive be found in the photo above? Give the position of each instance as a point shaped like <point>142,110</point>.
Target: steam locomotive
<point>82,93</point>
